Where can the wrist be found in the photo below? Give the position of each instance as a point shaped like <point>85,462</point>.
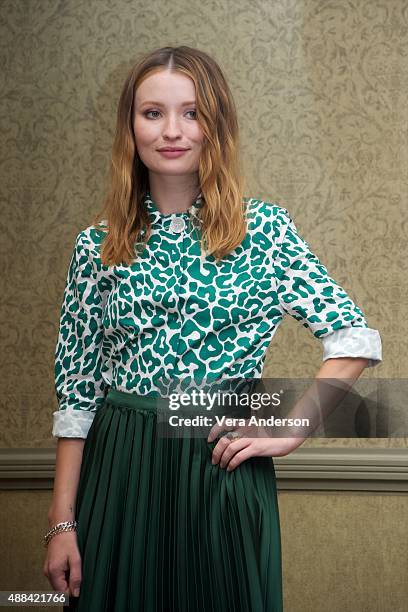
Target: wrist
<point>61,527</point>
<point>60,515</point>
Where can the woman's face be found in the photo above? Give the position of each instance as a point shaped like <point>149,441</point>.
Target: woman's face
<point>165,116</point>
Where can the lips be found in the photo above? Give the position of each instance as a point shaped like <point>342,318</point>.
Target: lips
<point>173,149</point>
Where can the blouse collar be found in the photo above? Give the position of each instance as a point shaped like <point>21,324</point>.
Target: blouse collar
<point>156,215</point>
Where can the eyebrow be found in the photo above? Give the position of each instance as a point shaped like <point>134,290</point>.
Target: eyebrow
<point>161,104</point>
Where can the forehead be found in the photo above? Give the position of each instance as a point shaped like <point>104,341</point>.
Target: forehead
<point>164,86</point>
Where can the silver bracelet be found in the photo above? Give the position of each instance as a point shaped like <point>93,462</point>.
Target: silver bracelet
<point>58,528</point>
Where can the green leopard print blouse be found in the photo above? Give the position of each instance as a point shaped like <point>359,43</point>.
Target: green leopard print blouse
<point>175,314</point>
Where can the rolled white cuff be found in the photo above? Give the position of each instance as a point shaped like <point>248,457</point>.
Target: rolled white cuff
<point>354,342</point>
<point>70,423</point>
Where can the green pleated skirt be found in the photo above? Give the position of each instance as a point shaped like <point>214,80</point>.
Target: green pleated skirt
<point>162,529</point>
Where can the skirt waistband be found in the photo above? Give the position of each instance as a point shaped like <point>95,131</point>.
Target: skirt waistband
<point>133,400</point>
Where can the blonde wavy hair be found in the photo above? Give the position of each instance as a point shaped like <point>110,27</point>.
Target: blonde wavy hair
<point>222,216</point>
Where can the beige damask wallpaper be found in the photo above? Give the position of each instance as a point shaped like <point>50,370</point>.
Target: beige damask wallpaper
<point>321,92</point>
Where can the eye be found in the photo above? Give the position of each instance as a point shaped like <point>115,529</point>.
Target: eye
<point>152,111</point>
<point>146,113</point>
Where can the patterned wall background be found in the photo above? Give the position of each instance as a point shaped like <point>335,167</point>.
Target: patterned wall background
<point>321,94</point>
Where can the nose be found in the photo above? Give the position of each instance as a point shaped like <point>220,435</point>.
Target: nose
<point>171,127</point>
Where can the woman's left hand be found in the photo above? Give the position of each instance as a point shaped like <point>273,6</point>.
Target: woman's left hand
<point>231,452</point>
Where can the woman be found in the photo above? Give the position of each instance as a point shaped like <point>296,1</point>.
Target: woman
<point>180,280</point>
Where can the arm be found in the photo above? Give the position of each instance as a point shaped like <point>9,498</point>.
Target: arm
<point>321,398</point>
<point>67,470</point>
<point>309,294</point>
<point>62,565</point>
<point>80,390</point>
<point>305,291</point>
<point>349,368</point>
<point>342,371</point>
<point>79,385</point>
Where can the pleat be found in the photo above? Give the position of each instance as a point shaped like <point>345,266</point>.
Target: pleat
<point>161,529</point>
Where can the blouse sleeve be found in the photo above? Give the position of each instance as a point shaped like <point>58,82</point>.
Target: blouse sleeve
<point>79,385</point>
<point>307,292</point>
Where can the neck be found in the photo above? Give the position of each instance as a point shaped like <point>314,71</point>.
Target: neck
<point>173,194</point>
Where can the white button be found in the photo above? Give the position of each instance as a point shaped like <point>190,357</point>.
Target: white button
<point>177,224</point>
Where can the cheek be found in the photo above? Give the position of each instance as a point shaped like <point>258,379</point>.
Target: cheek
<point>197,134</point>
<point>144,133</point>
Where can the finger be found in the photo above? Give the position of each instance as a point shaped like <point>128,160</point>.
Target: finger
<point>239,458</point>
<point>58,569</point>
<point>234,447</point>
<point>75,576</point>
<point>219,448</point>
<point>59,582</point>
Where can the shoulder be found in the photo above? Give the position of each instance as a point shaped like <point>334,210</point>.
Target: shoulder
<point>92,235</point>
<point>268,218</point>
<point>89,240</point>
